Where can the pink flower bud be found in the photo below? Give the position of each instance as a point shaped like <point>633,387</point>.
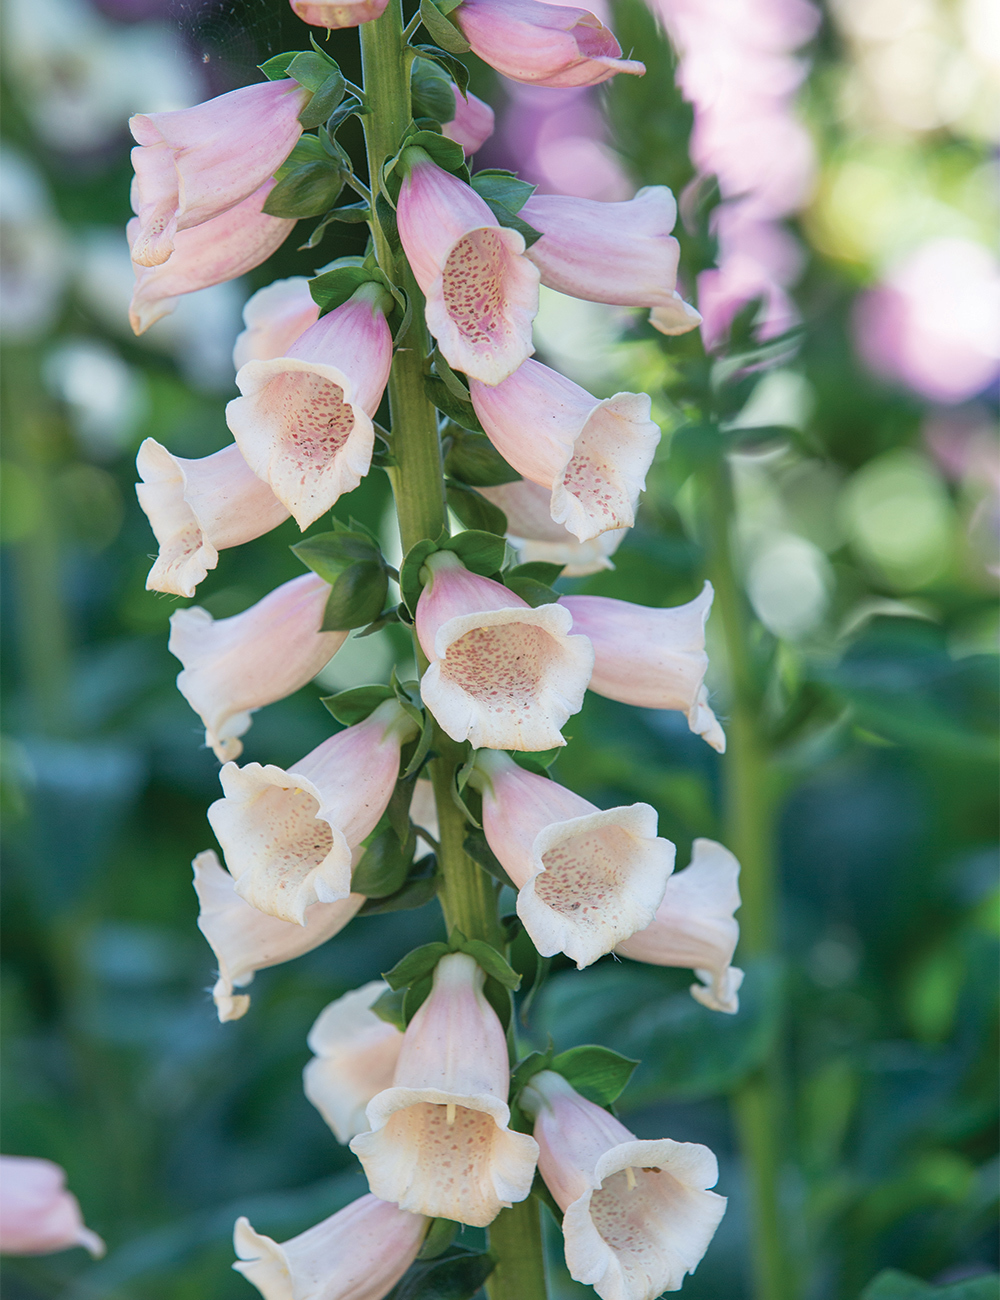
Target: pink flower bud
<point>288,836</point>
<point>345,13</point>
<point>481,291</point>
<point>304,422</point>
<point>197,508</point>
<point>38,1216</point>
<point>694,927</point>
<point>654,658</point>
<point>221,249</point>
<point>592,454</point>
<point>542,44</point>
<point>246,940</point>
<point>502,675</point>
<point>439,1142</point>
<point>274,318</point>
<point>359,1253</point>
<point>196,163</point>
<point>533,532</point>
<point>638,1214</point>
<point>355,1054</point>
<point>472,124</point>
<point>586,879</point>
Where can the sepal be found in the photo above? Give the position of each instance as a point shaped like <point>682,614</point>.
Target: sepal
<point>353,566</point>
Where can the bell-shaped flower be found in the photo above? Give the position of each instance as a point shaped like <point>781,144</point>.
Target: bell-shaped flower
<point>343,13</point>
<point>193,164</point>
<point>221,249</point>
<point>233,666</point>
<point>535,535</point>
<point>654,658</point>
<point>38,1216</point>
<point>694,927</point>
<point>472,124</point>
<point>288,836</point>
<point>586,878</point>
<point>481,291</point>
<point>246,940</point>
<point>502,675</point>
<point>439,1142</point>
<point>593,454</point>
<point>638,1215</point>
<point>359,1253</point>
<point>304,421</point>
<point>354,1058</point>
<point>197,508</point>
<point>675,316</point>
<point>542,44</point>
<point>273,318</point>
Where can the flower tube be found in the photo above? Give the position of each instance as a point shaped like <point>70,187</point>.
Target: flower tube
<point>233,666</point>
<point>502,675</point>
<point>38,1216</point>
<point>638,1215</point>
<point>532,531</point>
<point>287,836</point>
<point>359,1253</point>
<point>344,13</point>
<point>586,879</point>
<point>246,940</point>
<point>304,420</point>
<point>481,291</point>
<point>439,1142</point>
<point>197,508</point>
<point>694,927</point>
<point>592,454</point>
<point>654,658</point>
<point>542,44</point>
<point>274,317</point>
<point>193,164</point>
<point>472,124</point>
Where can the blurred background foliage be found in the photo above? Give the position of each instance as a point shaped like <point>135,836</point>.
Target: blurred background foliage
<point>868,539</point>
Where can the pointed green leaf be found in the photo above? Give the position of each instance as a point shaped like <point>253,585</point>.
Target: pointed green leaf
<point>440,30</point>
<point>389,1007</point>
<point>475,511</point>
<point>495,185</point>
<point>471,458</point>
<point>448,404</point>
<point>439,1237</point>
<point>419,889</point>
<point>384,865</point>
<point>496,966</point>
<point>457,1274</point>
<point>597,1073</point>
<point>417,964</point>
<point>353,706</point>
<point>480,552</point>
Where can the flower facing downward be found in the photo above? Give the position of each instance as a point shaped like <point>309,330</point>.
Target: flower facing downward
<point>359,1253</point>
<point>502,675</point>
<point>304,421</point>
<point>197,508</point>
<point>592,454</point>
<point>638,1215</point>
<point>481,291</point>
<point>439,1142</point>
<point>288,836</point>
<point>472,124</point>
<point>586,879</point>
<point>38,1216</point>
<point>273,319</point>
<point>344,13</point>
<point>675,316</point>
<point>694,927</point>
<point>535,535</point>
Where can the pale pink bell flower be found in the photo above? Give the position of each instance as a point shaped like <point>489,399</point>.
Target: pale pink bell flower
<point>359,1253</point>
<point>246,940</point>
<point>343,13</point>
<point>502,675</point>
<point>653,658</point>
<point>439,1142</point>
<point>694,927</point>
<point>535,535</point>
<point>472,124</point>
<point>193,164</point>
<point>481,291</point>
<point>197,508</point>
<point>355,1054</point>
<point>542,44</point>
<point>587,879</point>
<point>274,317</point>
<point>304,420</point>
<point>593,454</point>
<point>638,1215</point>
<point>287,836</point>
<point>38,1215</point>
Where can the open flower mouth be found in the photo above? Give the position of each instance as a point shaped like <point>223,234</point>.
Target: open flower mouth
<point>502,668</point>
<point>627,1211</point>
<point>307,412</point>
<point>591,479</point>
<point>287,843</point>
<point>473,287</point>
<point>584,874</point>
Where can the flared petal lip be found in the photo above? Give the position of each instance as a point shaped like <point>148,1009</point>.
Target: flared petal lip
<point>255,375</point>
<point>543,616</point>
<point>383,1106</point>
<point>702,1168</point>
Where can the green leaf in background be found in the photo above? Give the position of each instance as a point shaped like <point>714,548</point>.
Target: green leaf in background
<point>439,1237</point>
<point>350,707</point>
<point>476,846</point>
<point>446,153</point>
<point>431,92</point>
<point>536,760</point>
<point>443,32</point>
<point>494,185</point>
<point>421,886</point>
<point>306,192</point>
<point>480,552</point>
<point>384,865</point>
<point>352,563</point>
<point>388,1006</point>
<point>532,591</point>
<point>333,287</point>
<point>474,510</point>
<point>457,1274</point>
<point>891,1284</point>
<point>448,404</point>
<point>597,1073</point>
<point>454,67</point>
<point>471,458</point>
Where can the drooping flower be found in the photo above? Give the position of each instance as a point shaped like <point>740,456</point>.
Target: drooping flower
<point>304,421</point>
<point>535,535</point>
<point>694,927</point>
<point>675,316</point>
<point>274,317</point>
<point>481,291</point>
<point>587,879</point>
<point>654,658</point>
<point>246,940</point>
<point>359,1253</point>
<point>233,666</point>
<point>638,1215</point>
<point>287,836</point>
<point>354,1058</point>
<point>38,1215</point>
<point>592,454</point>
<point>502,675</point>
<point>542,44</point>
<point>193,164</point>
<point>197,508</point>
<point>338,13</point>
<point>472,124</point>
<point>439,1142</point>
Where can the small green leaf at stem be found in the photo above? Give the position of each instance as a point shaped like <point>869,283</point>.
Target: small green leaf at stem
<point>597,1073</point>
<point>417,964</point>
<point>472,459</point>
<point>353,706</point>
<point>455,68</point>
<point>430,91</point>
<point>479,851</point>
<point>495,185</point>
<point>456,1274</point>
<point>443,32</point>
<point>463,414</point>
<point>439,1237</point>
<point>385,864</point>
<point>389,1007</point>
<point>421,886</point>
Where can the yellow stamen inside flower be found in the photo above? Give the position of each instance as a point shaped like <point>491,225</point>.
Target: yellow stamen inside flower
<point>630,1177</point>
<point>450,1114</point>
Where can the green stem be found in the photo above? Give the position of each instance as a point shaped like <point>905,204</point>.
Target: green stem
<point>516,1240</point>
